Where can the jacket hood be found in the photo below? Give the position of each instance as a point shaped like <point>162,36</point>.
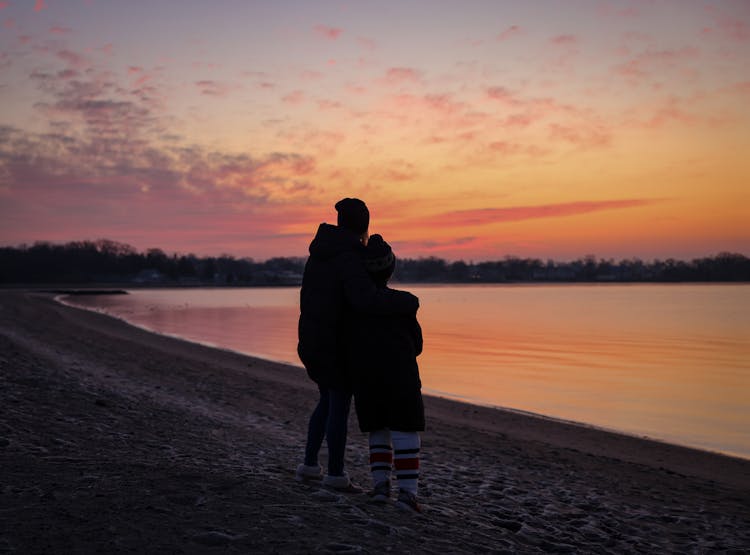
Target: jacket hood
<point>331,240</point>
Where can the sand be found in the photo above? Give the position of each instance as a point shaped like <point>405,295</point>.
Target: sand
<point>113,439</point>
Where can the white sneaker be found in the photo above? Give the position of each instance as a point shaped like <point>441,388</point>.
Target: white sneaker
<point>381,493</point>
<point>306,473</point>
<point>408,501</point>
<point>341,483</point>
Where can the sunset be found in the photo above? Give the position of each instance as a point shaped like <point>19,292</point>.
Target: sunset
<point>347,276</point>
<point>472,130</point>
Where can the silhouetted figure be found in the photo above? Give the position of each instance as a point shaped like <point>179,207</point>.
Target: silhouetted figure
<point>382,353</point>
<point>335,281</point>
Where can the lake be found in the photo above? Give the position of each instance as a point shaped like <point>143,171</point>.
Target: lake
<point>670,362</point>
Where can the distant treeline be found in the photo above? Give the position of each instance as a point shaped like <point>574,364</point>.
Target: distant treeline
<point>105,261</point>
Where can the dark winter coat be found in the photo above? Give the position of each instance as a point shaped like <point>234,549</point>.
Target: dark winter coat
<point>382,353</point>
<point>334,282</point>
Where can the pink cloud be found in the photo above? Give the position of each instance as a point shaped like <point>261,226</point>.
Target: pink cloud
<point>565,40</point>
<point>324,143</point>
<point>309,75</point>
<point>68,74</point>
<point>330,33</point>
<point>40,5</point>
<point>56,30</point>
<point>485,216</point>
<point>580,135</point>
<point>456,246</point>
<point>735,29</point>
<point>3,5</point>
<point>728,27</point>
<point>397,171</point>
<point>209,87</point>
<point>518,120</point>
<point>329,105</point>
<point>609,11</point>
<point>503,95</point>
<point>104,168</point>
<point>671,111</point>
<point>526,110</point>
<point>653,61</point>
<point>140,75</point>
<point>399,75</point>
<point>356,89</point>
<point>294,97</point>
<point>504,147</point>
<point>742,88</point>
<point>443,103</point>
<point>507,149</point>
<point>72,58</point>
<point>366,44</point>
<point>9,23</point>
<point>205,65</point>
<point>441,107</point>
<point>508,33</point>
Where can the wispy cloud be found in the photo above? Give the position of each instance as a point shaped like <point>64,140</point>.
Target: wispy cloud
<point>330,33</point>
<point>401,75</point>
<point>73,59</point>
<point>107,140</point>
<point>655,62</point>
<point>565,40</point>
<point>580,135</point>
<point>510,32</point>
<point>294,98</point>
<point>727,26</point>
<point>208,87</point>
<point>432,246</point>
<point>40,5</point>
<point>367,44</point>
<point>503,95</point>
<point>485,216</point>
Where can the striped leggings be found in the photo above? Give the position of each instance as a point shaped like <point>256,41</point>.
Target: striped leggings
<point>391,449</point>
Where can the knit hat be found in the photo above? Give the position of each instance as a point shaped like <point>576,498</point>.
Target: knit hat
<point>379,258</point>
<point>353,215</point>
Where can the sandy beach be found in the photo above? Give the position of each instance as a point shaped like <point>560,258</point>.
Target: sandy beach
<point>113,439</point>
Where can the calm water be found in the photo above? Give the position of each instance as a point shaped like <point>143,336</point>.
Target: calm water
<point>670,362</point>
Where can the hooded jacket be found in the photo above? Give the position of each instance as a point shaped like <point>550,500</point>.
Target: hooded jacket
<point>334,281</point>
<point>382,353</point>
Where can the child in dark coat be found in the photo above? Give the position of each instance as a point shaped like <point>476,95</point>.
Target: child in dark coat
<point>383,352</point>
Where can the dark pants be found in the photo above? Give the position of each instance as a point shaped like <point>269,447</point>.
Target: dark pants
<point>329,420</point>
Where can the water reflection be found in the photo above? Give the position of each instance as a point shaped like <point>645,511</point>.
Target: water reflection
<point>668,361</point>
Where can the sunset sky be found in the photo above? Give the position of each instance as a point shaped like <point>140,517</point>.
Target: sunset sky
<point>473,129</point>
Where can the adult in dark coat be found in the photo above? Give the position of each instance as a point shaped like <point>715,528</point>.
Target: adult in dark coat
<point>335,281</point>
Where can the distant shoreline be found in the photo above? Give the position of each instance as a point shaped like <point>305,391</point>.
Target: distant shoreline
<point>122,287</point>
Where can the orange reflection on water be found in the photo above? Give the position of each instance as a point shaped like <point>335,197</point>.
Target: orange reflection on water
<point>668,361</point>
<point>672,362</point>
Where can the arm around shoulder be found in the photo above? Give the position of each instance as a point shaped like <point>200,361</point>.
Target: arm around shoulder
<point>362,294</point>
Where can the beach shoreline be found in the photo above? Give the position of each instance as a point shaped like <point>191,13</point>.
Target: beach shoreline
<point>119,439</point>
